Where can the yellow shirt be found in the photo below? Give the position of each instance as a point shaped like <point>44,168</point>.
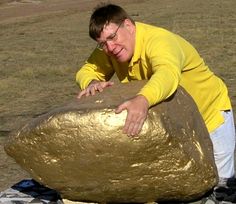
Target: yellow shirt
<point>166,60</point>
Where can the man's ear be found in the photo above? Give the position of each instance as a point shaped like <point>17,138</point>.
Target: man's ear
<point>129,25</point>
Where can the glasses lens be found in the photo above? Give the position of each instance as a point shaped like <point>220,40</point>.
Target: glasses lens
<point>112,37</point>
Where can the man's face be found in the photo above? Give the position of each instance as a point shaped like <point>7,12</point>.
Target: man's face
<point>118,40</point>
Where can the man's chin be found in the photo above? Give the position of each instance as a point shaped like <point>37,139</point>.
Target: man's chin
<point>122,59</point>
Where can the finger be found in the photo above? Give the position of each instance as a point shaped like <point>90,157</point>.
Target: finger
<point>137,121</point>
<point>88,91</point>
<point>120,108</point>
<point>133,127</point>
<point>93,90</point>
<point>137,128</point>
<point>129,124</point>
<point>81,94</point>
<point>109,83</point>
<point>99,87</point>
<point>130,129</point>
<point>104,85</point>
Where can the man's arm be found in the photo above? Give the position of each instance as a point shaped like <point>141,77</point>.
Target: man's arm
<point>95,74</point>
<point>165,58</point>
<point>97,67</point>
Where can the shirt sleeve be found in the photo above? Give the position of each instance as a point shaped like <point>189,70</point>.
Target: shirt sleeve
<point>97,67</point>
<point>166,59</point>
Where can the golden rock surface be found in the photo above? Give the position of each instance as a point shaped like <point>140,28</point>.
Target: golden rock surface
<point>80,150</point>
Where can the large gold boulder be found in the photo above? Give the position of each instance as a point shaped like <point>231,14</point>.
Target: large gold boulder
<point>80,150</point>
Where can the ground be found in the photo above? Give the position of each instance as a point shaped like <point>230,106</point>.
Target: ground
<point>43,44</point>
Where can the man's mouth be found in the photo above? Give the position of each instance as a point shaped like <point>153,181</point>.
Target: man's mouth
<point>117,53</point>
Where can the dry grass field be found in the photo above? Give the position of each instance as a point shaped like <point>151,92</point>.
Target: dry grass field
<point>43,43</point>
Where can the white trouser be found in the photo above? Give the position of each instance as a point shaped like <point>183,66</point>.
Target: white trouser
<point>223,139</point>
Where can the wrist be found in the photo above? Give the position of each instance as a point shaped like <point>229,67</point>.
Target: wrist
<point>143,99</point>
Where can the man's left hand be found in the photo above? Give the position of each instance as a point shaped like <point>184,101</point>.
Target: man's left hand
<point>137,109</point>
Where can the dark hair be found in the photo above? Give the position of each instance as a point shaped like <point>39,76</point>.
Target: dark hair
<point>105,14</point>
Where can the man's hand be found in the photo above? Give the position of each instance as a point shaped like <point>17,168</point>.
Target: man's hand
<point>93,87</point>
<point>137,109</point>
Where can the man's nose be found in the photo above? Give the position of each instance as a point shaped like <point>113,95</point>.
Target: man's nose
<point>110,45</point>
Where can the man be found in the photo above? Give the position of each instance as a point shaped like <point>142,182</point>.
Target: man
<point>136,51</point>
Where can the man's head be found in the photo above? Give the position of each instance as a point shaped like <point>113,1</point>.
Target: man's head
<point>114,30</point>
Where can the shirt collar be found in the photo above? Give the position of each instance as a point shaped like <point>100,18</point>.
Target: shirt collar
<point>138,44</point>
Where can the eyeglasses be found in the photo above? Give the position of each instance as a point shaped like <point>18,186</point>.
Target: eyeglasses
<point>112,37</point>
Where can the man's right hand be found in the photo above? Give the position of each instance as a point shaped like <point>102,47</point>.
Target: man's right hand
<point>93,87</point>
